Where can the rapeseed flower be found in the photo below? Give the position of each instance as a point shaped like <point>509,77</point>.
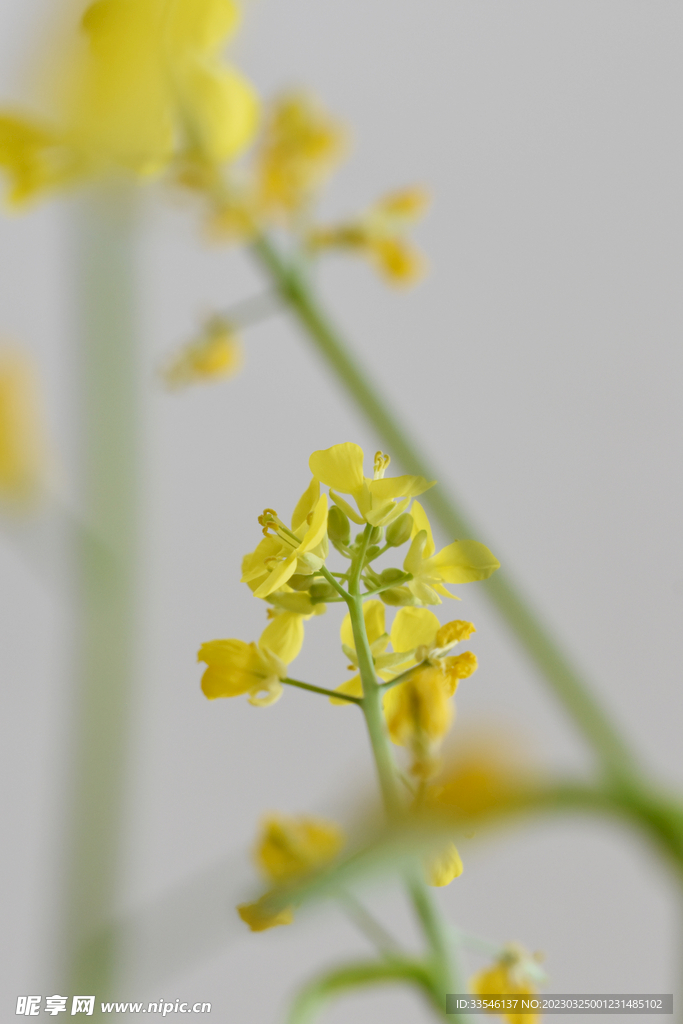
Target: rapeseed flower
<point>515,973</point>
<point>300,147</point>
<point>285,552</point>
<point>341,469</point>
<point>143,84</point>
<point>463,561</point>
<point>288,849</point>
<point>235,667</point>
<point>418,711</point>
<point>216,353</point>
<point>380,235</point>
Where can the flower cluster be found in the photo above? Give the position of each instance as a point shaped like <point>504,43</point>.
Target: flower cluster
<point>411,666</point>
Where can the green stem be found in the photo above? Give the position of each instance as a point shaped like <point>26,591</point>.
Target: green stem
<point>107,560</point>
<point>433,925</point>
<point>321,689</point>
<point>585,710</point>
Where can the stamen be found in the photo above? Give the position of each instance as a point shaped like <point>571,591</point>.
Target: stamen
<point>381,463</point>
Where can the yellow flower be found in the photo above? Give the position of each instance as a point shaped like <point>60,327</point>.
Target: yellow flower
<point>143,82</point>
<point>516,973</point>
<point>284,552</point>
<point>418,711</point>
<point>379,234</point>
<point>259,917</point>
<point>236,667</point>
<point>23,455</point>
<point>289,848</point>
<point>300,148</point>
<point>216,353</point>
<point>463,561</point>
<point>341,469</point>
<point>444,867</point>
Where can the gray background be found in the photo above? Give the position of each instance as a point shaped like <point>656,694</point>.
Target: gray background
<point>539,360</point>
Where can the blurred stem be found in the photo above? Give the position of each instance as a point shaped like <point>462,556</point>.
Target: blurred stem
<point>106,556</point>
<point>540,646</point>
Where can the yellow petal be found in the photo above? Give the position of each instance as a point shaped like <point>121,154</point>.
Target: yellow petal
<point>278,577</point>
<point>339,467</point>
<point>461,666</point>
<point>234,667</point>
<point>353,687</point>
<point>306,503</point>
<point>465,561</point>
<point>200,25</point>
<point>222,110</point>
<point>346,508</point>
<point>290,847</point>
<point>284,636</point>
<point>398,487</point>
<point>442,869</point>
<point>421,522</point>
<point>418,709</point>
<point>258,917</point>
<point>413,627</point>
<point>454,632</point>
<point>386,513</point>
<point>318,527</point>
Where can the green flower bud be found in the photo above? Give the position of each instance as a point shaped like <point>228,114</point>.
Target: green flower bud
<point>320,592</point>
<point>338,526</point>
<point>375,535</point>
<point>392,576</point>
<point>397,596</point>
<point>400,530</point>
<point>372,552</point>
<point>301,582</point>
<point>371,578</point>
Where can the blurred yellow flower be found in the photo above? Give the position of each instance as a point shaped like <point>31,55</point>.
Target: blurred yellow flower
<point>300,147</point>
<point>235,667</point>
<point>289,848</point>
<point>463,561</point>
<point>341,469</point>
<point>284,552</point>
<point>215,354</point>
<point>380,235</point>
<point>141,84</point>
<point>444,867</point>
<point>23,446</point>
<point>516,973</point>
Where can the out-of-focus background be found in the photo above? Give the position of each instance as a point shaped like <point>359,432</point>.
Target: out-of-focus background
<point>539,361</point>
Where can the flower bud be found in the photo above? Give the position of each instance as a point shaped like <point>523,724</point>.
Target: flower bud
<point>375,535</point>
<point>397,596</point>
<point>400,530</point>
<point>300,582</point>
<point>392,576</point>
<point>320,592</point>
<point>372,552</point>
<point>338,526</point>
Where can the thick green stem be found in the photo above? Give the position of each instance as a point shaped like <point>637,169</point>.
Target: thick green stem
<point>107,559</point>
<point>588,715</point>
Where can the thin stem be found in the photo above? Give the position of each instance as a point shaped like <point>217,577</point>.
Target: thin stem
<point>369,925</point>
<point>254,309</point>
<point>321,689</point>
<point>332,581</point>
<point>534,637</point>
<point>386,586</point>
